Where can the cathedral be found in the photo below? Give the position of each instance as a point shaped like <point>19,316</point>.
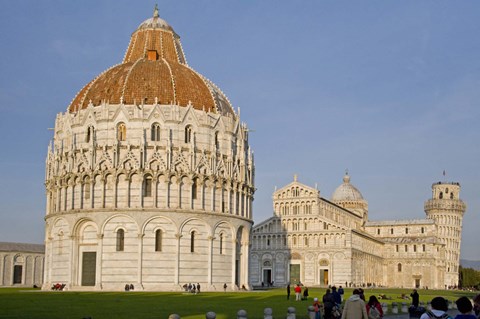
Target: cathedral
<point>149,177</point>
<point>320,242</point>
<point>150,182</point>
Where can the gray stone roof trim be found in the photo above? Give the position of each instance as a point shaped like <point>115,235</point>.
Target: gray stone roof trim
<point>400,222</point>
<point>22,247</point>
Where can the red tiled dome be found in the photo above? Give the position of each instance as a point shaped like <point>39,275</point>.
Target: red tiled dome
<point>154,70</point>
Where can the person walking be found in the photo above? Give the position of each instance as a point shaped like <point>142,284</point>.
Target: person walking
<point>341,292</point>
<point>328,304</point>
<point>225,287</point>
<point>305,293</point>
<point>354,307</point>
<point>288,292</point>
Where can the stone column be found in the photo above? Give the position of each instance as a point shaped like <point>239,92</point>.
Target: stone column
<point>2,268</point>
<point>104,186</point>
<point>244,262</point>
<point>155,192</point>
<point>210,259</point>
<point>98,279</point>
<point>73,257</point>
<point>140,261</point>
<point>177,261</point>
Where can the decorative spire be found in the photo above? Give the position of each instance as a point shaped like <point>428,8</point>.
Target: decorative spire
<point>295,177</point>
<point>155,11</point>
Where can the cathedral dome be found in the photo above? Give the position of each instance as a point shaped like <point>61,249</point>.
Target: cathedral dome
<point>346,192</point>
<point>153,71</point>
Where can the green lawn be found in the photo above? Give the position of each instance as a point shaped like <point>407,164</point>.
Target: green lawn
<point>29,303</point>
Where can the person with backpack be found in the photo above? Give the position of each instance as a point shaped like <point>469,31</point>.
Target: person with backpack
<point>374,308</point>
<point>439,309</point>
<point>355,307</point>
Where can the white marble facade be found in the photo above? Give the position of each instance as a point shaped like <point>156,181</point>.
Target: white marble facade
<point>321,242</point>
<point>153,193</point>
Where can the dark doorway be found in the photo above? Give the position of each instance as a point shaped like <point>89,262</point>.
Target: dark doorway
<point>89,266</point>
<point>294,274</point>
<point>237,272</point>
<point>17,274</point>
<point>267,277</point>
<point>417,283</point>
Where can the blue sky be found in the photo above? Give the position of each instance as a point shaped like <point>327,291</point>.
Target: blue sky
<point>386,89</point>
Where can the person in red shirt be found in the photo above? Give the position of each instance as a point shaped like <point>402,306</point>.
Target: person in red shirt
<point>298,292</point>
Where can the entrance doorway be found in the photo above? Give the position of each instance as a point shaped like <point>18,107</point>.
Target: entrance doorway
<point>324,277</point>
<point>294,274</point>
<point>267,277</point>
<point>417,283</point>
<point>17,274</point>
<point>89,267</point>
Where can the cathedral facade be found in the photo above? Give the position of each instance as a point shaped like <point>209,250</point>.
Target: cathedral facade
<point>149,178</point>
<point>320,242</point>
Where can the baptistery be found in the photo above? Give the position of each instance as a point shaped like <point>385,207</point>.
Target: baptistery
<point>149,177</point>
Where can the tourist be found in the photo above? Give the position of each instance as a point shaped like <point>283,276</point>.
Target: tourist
<point>336,296</point>
<point>288,292</point>
<point>225,287</point>
<point>439,309</point>
<point>298,291</point>
<point>198,288</point>
<point>464,306</point>
<point>328,304</point>
<point>374,308</point>
<point>341,292</point>
<point>355,307</point>
<point>316,307</point>
<point>415,298</point>
<point>305,293</point>
<point>476,306</point>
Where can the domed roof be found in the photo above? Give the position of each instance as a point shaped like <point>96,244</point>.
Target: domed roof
<point>346,192</point>
<point>154,70</point>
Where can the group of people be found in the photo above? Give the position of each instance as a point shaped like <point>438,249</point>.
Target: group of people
<point>129,287</point>
<point>195,289</point>
<point>356,307</point>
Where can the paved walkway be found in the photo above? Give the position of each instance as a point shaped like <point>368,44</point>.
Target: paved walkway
<point>451,312</point>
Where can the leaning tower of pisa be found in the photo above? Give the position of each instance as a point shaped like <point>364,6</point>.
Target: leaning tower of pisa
<point>447,209</point>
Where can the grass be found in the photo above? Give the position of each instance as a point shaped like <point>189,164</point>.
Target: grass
<point>33,303</point>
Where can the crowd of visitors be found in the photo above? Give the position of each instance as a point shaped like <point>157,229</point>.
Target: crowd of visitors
<point>331,306</point>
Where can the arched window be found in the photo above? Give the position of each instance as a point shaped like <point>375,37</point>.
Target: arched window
<point>221,244</point>
<point>120,240</point>
<point>155,130</point>
<point>391,231</point>
<point>451,195</point>
<point>406,230</point>
<point>121,132</point>
<point>192,242</point>
<point>399,267</point>
<point>147,186</point>
<point>441,195</point>
<point>422,230</point>
<point>217,142</point>
<point>188,134</point>
<point>194,189</point>
<point>86,188</point>
<point>158,240</point>
<point>89,135</point>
